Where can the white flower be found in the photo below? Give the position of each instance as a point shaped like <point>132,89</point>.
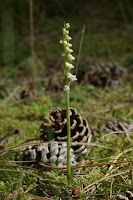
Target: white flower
<point>69,44</point>
<point>69,50</point>
<point>68,38</point>
<point>69,65</point>
<point>65,42</point>
<point>66,32</point>
<point>60,41</point>
<point>71,77</point>
<point>70,57</point>
<point>67,25</point>
<point>66,88</point>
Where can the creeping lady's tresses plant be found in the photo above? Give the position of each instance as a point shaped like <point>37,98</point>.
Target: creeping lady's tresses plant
<point>67,66</point>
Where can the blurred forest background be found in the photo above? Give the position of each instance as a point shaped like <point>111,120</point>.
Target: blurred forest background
<point>108,28</point>
<point>32,29</point>
<point>31,83</point>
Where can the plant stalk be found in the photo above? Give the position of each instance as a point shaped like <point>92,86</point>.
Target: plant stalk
<point>68,138</point>
<point>31,29</point>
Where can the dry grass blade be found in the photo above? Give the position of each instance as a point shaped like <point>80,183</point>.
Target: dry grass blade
<point>83,166</point>
<point>123,186</point>
<point>5,150</point>
<point>111,185</point>
<point>23,145</point>
<point>35,197</point>
<point>87,188</point>
<point>24,167</point>
<point>10,96</point>
<point>102,146</point>
<point>25,172</point>
<point>128,137</point>
<point>119,155</point>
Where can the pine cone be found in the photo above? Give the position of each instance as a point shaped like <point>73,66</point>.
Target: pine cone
<point>54,82</point>
<point>57,122</point>
<point>129,196</point>
<point>111,126</point>
<point>53,153</point>
<point>100,74</point>
<point>28,92</point>
<point>121,197</point>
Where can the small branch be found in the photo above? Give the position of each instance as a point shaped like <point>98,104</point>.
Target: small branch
<point>31,28</point>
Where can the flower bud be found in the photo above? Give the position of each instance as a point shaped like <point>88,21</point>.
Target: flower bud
<point>68,38</point>
<point>69,44</point>
<point>69,65</point>
<point>67,25</point>
<point>65,32</point>
<point>65,42</point>
<point>66,87</point>
<point>70,57</point>
<point>71,77</point>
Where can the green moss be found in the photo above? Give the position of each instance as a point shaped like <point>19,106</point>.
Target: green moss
<point>28,117</point>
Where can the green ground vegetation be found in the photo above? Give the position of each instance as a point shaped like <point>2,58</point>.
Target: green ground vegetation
<point>108,37</point>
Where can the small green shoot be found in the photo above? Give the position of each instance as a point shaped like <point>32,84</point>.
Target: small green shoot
<point>67,66</point>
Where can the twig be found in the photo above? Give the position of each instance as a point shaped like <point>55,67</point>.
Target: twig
<point>86,189</point>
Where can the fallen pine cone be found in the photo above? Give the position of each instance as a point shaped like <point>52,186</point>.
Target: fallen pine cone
<point>100,74</point>
<point>111,126</point>
<point>129,196</point>
<point>56,129</point>
<point>54,82</point>
<point>53,153</point>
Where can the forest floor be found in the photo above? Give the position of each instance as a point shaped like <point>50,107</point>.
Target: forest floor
<point>25,101</point>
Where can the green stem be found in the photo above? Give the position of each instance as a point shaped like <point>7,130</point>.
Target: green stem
<point>80,47</point>
<point>68,138</point>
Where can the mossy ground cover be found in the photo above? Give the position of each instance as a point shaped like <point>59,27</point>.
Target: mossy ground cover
<point>96,105</point>
<point>106,38</point>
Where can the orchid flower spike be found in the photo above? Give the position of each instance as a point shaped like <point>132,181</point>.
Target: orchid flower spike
<point>68,57</point>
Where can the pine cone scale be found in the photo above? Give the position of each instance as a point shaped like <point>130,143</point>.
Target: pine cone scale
<point>53,153</point>
<point>80,131</point>
<point>74,124</point>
